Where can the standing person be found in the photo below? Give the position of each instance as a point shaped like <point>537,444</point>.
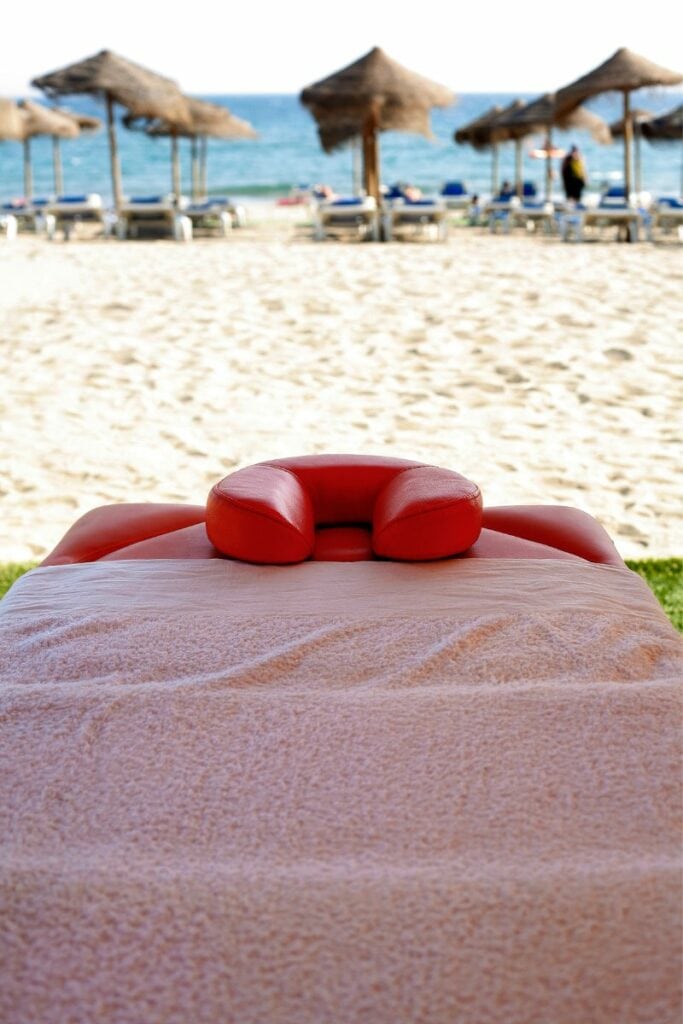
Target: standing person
<point>573,174</point>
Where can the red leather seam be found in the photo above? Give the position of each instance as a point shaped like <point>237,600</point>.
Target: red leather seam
<point>264,515</point>
<point>435,507</point>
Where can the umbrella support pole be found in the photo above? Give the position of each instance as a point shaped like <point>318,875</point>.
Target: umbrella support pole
<point>371,160</point>
<point>356,166</point>
<point>175,169</point>
<point>114,155</point>
<point>194,151</point>
<point>628,142</point>
<point>57,163</point>
<point>28,170</point>
<point>637,157</point>
<point>519,184</point>
<point>494,170</point>
<point>549,166</point>
<point>203,176</point>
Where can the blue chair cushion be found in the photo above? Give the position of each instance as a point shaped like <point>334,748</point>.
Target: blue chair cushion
<point>672,202</point>
<point>347,201</point>
<point>454,188</point>
<point>615,192</point>
<point>147,199</point>
<point>72,199</point>
<point>528,188</point>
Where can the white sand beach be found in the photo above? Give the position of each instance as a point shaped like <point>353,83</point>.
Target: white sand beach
<point>137,371</point>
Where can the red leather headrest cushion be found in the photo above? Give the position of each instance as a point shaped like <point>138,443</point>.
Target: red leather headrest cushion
<point>268,513</point>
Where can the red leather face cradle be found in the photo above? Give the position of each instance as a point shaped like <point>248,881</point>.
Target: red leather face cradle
<point>336,508</point>
<point>270,512</point>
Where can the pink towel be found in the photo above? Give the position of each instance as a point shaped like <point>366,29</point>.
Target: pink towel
<point>367,793</point>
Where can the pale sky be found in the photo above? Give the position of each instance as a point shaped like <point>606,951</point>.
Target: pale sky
<point>273,46</point>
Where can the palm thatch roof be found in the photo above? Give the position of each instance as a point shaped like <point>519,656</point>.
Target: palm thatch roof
<point>638,118</point>
<point>541,114</point>
<point>86,122</point>
<point>478,133</point>
<point>374,87</point>
<point>11,121</point>
<point>206,119</point>
<point>667,128</point>
<point>142,92</point>
<point>38,120</point>
<point>624,71</point>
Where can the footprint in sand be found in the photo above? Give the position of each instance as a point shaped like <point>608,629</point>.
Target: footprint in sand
<point>618,355</point>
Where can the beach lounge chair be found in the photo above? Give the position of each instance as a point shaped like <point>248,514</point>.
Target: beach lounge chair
<point>335,781</point>
<point>217,214</point>
<point>455,196</point>
<point>403,217</point>
<point>66,212</point>
<point>29,214</point>
<point>497,213</point>
<point>153,215</point>
<point>668,215</point>
<point>354,216</point>
<point>9,226</point>
<point>532,214</point>
<point>612,210</point>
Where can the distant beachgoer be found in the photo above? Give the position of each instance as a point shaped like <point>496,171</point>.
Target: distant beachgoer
<point>506,192</point>
<point>573,174</point>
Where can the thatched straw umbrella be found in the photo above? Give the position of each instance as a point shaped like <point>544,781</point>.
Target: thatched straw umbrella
<point>372,95</point>
<point>638,118</point>
<point>11,121</point>
<point>41,121</point>
<point>143,93</point>
<point>206,119</point>
<point>540,115</point>
<point>666,128</point>
<point>623,72</point>
<point>211,121</point>
<point>480,135</point>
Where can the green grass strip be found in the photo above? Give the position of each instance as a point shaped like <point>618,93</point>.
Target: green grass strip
<point>664,576</point>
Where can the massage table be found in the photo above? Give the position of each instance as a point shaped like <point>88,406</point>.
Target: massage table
<point>341,745</point>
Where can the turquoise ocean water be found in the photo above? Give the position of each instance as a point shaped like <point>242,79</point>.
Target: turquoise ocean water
<point>287,153</point>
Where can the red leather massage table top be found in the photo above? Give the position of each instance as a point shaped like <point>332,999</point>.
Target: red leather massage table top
<point>336,508</point>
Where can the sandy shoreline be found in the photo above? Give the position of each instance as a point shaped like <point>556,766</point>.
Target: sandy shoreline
<point>145,371</point>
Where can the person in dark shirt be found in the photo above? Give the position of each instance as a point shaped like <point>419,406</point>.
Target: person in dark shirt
<point>573,174</point>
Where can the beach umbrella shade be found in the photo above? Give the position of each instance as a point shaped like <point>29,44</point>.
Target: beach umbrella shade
<point>205,120</point>
<point>666,128</point>
<point>540,115</point>
<point>623,72</point>
<point>372,95</point>
<point>479,134</point>
<point>42,121</point>
<point>11,121</point>
<point>638,117</point>
<point>117,80</point>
